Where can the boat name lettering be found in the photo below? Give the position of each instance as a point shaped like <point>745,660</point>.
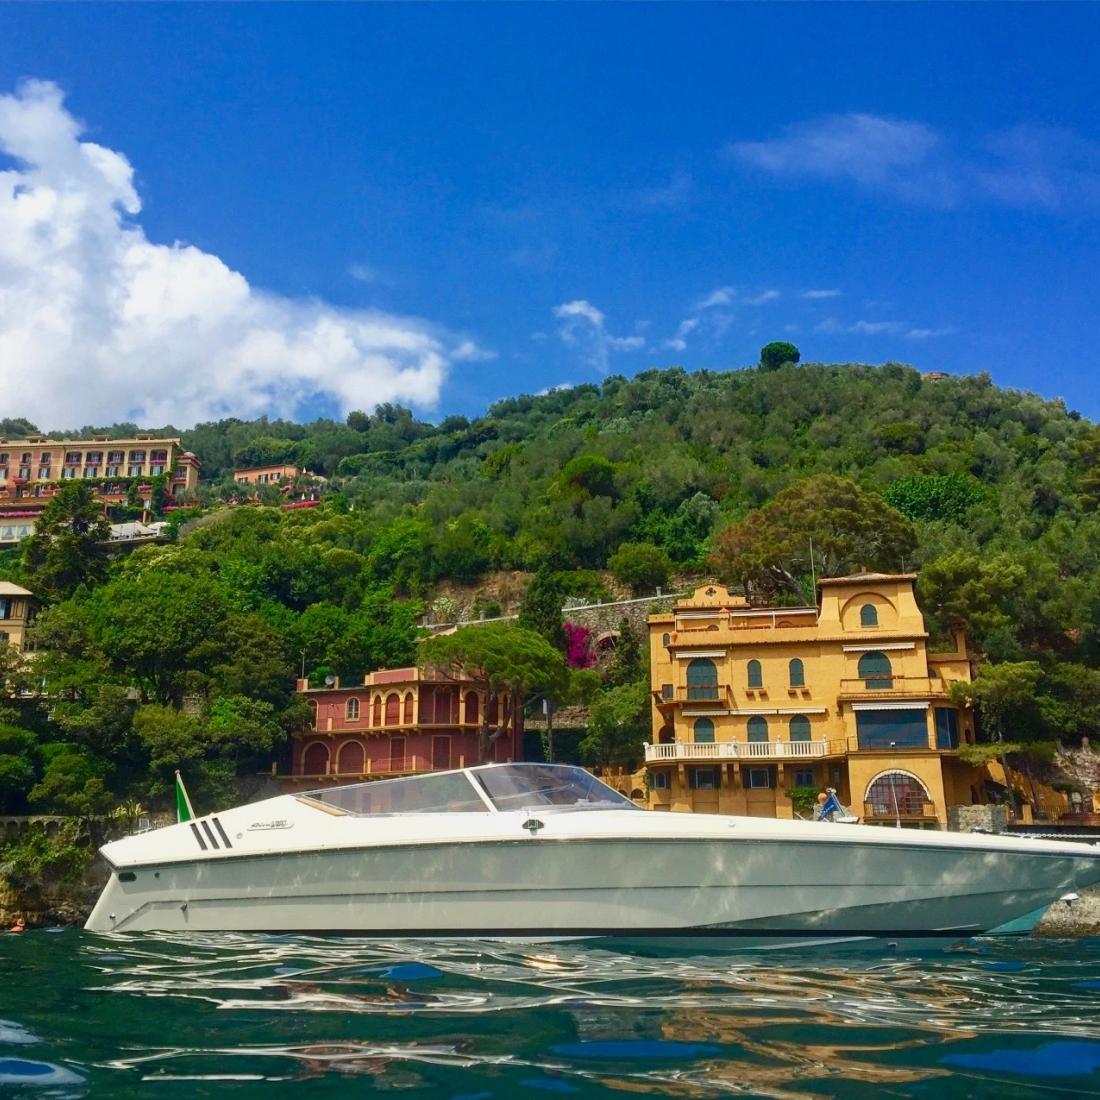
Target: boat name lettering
<point>281,823</point>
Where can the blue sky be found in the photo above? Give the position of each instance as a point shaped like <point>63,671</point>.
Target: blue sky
<point>445,205</point>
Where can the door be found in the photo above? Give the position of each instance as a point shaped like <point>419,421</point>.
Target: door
<point>441,754</point>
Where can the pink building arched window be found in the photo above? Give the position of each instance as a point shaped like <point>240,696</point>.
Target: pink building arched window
<point>393,709</point>
<point>470,716</point>
<point>408,708</point>
<point>351,758</point>
<point>376,719</point>
<point>315,759</point>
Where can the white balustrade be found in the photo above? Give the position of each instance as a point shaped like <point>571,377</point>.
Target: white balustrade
<point>736,750</point>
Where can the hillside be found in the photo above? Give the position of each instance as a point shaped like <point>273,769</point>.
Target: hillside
<point>997,494</point>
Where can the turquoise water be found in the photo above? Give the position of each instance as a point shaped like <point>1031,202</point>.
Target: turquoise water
<point>263,1016</point>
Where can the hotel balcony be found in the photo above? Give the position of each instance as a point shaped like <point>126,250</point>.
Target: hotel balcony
<point>694,751</point>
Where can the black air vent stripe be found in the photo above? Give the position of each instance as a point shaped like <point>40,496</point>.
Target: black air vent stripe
<point>209,833</point>
<point>198,836</point>
<point>221,832</point>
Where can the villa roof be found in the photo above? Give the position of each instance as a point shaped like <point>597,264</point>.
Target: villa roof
<point>9,589</point>
<point>864,578</point>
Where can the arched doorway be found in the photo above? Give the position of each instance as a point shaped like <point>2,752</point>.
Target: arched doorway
<point>315,759</point>
<point>350,760</point>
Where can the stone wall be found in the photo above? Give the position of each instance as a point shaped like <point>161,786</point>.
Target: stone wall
<point>977,819</point>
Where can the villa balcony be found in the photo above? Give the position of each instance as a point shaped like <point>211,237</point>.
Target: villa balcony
<point>864,689</point>
<point>695,751</point>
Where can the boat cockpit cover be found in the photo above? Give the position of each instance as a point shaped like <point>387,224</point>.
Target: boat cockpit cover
<point>508,786</point>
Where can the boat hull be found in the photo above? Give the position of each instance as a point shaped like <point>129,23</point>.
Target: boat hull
<point>747,889</point>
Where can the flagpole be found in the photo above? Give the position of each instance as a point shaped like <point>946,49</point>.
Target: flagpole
<point>184,810</point>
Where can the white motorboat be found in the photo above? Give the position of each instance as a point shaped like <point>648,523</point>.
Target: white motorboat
<point>545,851</point>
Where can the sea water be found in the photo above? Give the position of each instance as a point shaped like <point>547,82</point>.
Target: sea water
<point>272,1016</point>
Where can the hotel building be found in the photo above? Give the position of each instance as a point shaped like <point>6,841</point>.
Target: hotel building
<point>397,721</point>
<point>32,470</point>
<point>752,702</point>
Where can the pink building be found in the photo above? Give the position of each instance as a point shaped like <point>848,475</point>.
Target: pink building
<point>398,721</point>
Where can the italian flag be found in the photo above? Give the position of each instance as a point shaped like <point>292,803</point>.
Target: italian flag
<point>183,803</point>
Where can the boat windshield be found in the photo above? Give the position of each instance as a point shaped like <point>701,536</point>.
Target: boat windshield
<point>527,786</point>
<point>508,786</point>
<point>439,793</point>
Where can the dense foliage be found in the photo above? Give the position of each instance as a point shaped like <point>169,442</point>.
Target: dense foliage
<point>188,652</point>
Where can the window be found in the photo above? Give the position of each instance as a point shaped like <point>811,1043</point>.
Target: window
<point>69,471</point>
<point>156,470</point>
<point>351,759</point>
<point>804,777</point>
<point>703,779</point>
<point>875,671</point>
<point>797,673</point>
<point>759,778</point>
<point>868,615</point>
<point>133,471</point>
<point>137,456</point>
<point>315,759</point>
<point>800,728</point>
<point>892,729</point>
<point>376,720</point>
<point>43,471</point>
<point>158,456</point>
<point>116,458</point>
<point>665,640</point>
<point>756,677</point>
<point>947,728</point>
<point>470,716</point>
<point>758,730</point>
<point>91,471</point>
<point>112,471</point>
<point>702,677</point>
<point>73,458</point>
<point>393,709</point>
<point>24,471</point>
<point>659,781</point>
<point>93,458</point>
<point>666,691</point>
<point>26,458</point>
<point>351,711</point>
<point>896,794</point>
<point>5,607</point>
<point>703,731</point>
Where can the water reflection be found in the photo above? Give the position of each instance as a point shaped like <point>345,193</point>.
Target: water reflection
<point>497,1019</point>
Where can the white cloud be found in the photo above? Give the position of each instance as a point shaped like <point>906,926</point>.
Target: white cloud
<point>584,329</point>
<point>363,273</point>
<point>1041,167</point>
<point>817,295</point>
<point>762,298</point>
<point>99,323</point>
<point>684,330</point>
<point>831,326</point>
<point>720,296</point>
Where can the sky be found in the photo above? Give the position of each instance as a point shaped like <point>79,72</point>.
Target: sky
<point>218,210</point>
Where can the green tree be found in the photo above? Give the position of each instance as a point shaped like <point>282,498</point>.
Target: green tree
<point>641,566</point>
<point>69,544</point>
<point>18,767</point>
<point>628,664</point>
<point>1000,692</point>
<point>619,723</point>
<point>969,591</point>
<point>512,660</point>
<point>540,608</point>
<point>768,552</point>
<point>777,354</point>
<point>72,782</point>
<point>934,497</point>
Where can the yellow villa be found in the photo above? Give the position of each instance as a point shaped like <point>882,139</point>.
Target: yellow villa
<point>752,702</point>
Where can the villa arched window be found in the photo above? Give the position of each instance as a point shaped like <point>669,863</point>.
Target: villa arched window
<point>666,640</point>
<point>702,677</point>
<point>755,674</point>
<point>875,671</point>
<point>666,736</point>
<point>896,794</point>
<point>393,709</point>
<point>868,615</point>
<point>800,728</point>
<point>797,673</point>
<point>376,719</point>
<point>758,729</point>
<point>703,731</point>
<point>351,711</point>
